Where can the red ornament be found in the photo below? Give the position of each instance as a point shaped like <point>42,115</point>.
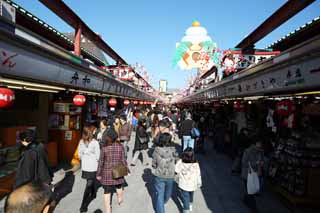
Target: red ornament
<point>284,108</point>
<point>113,102</point>
<point>238,106</point>
<point>141,102</point>
<point>216,104</point>
<point>135,102</point>
<point>6,97</point>
<point>126,102</point>
<point>79,100</point>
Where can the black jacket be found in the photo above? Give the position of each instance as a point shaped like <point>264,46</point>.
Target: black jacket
<point>140,133</point>
<point>186,127</point>
<point>33,166</point>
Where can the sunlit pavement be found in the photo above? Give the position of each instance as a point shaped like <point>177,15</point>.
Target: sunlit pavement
<point>221,192</point>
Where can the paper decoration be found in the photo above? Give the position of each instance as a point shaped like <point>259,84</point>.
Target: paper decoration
<point>196,50</point>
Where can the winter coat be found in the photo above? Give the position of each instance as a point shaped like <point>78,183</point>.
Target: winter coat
<point>140,133</point>
<point>186,126</point>
<point>189,176</point>
<point>252,155</point>
<point>33,166</point>
<point>103,135</point>
<point>125,132</point>
<point>89,154</point>
<point>111,156</point>
<point>163,161</point>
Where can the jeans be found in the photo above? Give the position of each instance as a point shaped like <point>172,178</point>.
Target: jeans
<point>136,156</point>
<point>163,188</point>
<point>188,142</point>
<point>187,198</point>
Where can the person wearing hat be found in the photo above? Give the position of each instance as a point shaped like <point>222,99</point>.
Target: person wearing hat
<point>141,142</point>
<point>112,155</point>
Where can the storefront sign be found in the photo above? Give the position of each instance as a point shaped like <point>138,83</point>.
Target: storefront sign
<point>6,97</point>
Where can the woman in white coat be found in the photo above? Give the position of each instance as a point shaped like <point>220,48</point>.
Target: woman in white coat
<point>188,178</point>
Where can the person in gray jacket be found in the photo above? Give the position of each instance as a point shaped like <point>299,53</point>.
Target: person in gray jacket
<point>253,155</point>
<point>163,163</point>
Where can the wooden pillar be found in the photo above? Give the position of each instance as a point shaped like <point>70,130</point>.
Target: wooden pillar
<point>77,41</point>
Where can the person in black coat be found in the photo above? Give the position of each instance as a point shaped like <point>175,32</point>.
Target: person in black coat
<point>33,165</point>
<point>141,142</point>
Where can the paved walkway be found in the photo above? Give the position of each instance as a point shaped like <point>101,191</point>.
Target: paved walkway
<point>221,192</point>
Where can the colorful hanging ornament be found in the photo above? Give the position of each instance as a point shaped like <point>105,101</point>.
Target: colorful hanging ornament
<point>79,100</point>
<point>135,102</point>
<point>141,102</point>
<point>113,102</point>
<point>126,102</point>
<point>6,97</point>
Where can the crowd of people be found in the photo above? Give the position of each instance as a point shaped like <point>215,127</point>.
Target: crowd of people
<point>102,156</point>
<point>103,152</point>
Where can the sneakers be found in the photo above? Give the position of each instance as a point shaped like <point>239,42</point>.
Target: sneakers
<point>190,207</point>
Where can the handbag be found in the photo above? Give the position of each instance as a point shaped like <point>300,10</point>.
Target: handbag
<point>253,184</point>
<point>195,133</point>
<point>119,171</point>
<point>144,140</point>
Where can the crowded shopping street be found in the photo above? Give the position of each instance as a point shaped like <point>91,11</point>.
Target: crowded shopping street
<point>159,106</point>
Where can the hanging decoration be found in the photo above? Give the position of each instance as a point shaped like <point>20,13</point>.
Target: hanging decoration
<point>113,102</point>
<point>141,102</point>
<point>6,97</point>
<point>284,108</point>
<point>196,50</point>
<point>126,102</point>
<point>238,106</point>
<point>135,102</point>
<point>79,100</point>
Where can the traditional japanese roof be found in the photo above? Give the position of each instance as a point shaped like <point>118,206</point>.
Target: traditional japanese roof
<point>301,34</point>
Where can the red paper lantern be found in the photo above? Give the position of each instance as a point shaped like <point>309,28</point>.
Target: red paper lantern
<point>126,102</point>
<point>141,102</point>
<point>238,106</point>
<point>216,104</point>
<point>284,108</point>
<point>6,97</point>
<point>79,100</point>
<point>113,102</point>
<point>135,102</point>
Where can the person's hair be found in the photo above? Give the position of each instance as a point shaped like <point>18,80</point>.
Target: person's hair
<point>111,137</point>
<point>155,121</point>
<point>104,122</point>
<point>188,156</point>
<point>31,197</point>
<point>87,134</point>
<point>165,123</point>
<point>165,139</point>
<point>123,117</point>
<point>27,135</point>
<point>142,121</point>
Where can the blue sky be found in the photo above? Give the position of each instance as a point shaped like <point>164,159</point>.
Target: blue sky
<point>146,31</point>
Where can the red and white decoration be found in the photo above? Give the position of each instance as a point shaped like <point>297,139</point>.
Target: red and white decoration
<point>6,97</point>
<point>113,102</point>
<point>126,102</point>
<point>238,106</point>
<point>135,102</point>
<point>79,100</point>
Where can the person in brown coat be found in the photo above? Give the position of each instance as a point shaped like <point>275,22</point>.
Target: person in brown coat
<point>125,131</point>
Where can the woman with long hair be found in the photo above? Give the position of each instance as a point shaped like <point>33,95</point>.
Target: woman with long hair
<point>112,155</point>
<point>89,153</point>
<point>188,177</point>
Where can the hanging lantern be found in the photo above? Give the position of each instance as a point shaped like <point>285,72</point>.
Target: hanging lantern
<point>6,97</point>
<point>141,102</point>
<point>135,102</point>
<point>113,102</point>
<point>238,106</point>
<point>79,100</point>
<point>216,104</point>
<point>126,102</point>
